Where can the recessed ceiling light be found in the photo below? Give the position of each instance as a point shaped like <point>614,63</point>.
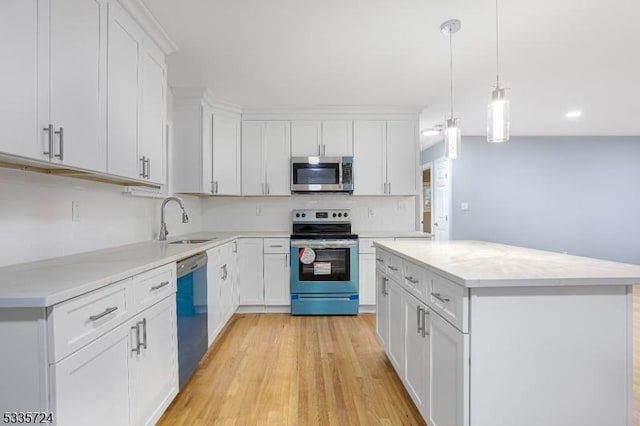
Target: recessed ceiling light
<point>573,114</point>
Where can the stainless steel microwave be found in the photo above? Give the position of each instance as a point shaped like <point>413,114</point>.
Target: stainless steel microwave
<point>322,174</point>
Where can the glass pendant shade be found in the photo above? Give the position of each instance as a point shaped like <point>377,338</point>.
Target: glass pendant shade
<point>452,138</point>
<point>498,116</point>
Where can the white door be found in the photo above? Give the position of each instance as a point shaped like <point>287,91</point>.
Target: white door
<point>402,157</point>
<point>382,310</point>
<point>416,352</point>
<point>306,138</point>
<point>369,166</point>
<point>337,138</point>
<point>250,267</point>
<point>367,277</point>
<point>158,353</point>
<point>152,120</point>
<point>226,155</point>
<point>123,94</point>
<point>396,345</point>
<point>214,296</point>
<point>253,178</point>
<point>277,158</point>
<point>448,374</point>
<point>441,199</point>
<point>276,280</point>
<point>93,383</point>
<point>25,77</point>
<point>77,90</point>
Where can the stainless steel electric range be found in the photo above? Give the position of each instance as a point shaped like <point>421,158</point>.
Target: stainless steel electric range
<point>324,263</point>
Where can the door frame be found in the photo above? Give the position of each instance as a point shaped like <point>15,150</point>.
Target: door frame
<point>449,202</point>
<point>425,166</point>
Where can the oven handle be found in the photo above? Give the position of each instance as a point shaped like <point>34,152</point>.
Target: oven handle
<point>322,244</point>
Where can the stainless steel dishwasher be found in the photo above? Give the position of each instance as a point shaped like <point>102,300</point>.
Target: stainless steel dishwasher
<point>191,301</point>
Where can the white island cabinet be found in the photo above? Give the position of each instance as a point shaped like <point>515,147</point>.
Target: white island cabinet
<point>499,335</point>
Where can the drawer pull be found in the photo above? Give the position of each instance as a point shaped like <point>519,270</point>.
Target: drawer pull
<point>276,245</point>
<point>159,286</point>
<point>103,314</point>
<point>441,298</point>
<point>412,280</point>
<point>378,259</point>
<point>393,268</point>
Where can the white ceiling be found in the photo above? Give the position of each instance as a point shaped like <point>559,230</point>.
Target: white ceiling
<point>556,56</point>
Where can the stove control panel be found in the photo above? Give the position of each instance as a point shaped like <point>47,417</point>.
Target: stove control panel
<point>321,216</point>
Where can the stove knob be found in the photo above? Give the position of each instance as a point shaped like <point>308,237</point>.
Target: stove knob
<point>334,215</point>
<point>346,214</point>
<point>304,215</point>
<point>297,214</point>
<point>339,214</point>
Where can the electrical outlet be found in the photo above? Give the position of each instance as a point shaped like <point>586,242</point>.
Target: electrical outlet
<point>75,211</point>
<point>371,212</point>
<point>258,211</point>
<point>464,206</point>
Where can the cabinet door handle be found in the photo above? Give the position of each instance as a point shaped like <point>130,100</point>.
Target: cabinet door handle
<point>393,268</point>
<point>159,286</point>
<point>49,130</point>
<point>379,259</point>
<point>143,166</point>
<point>419,319</point>
<point>224,271</point>
<point>143,323</point>
<point>268,189</point>
<point>389,186</point>
<point>235,246</point>
<point>148,176</point>
<point>212,190</point>
<point>319,150</point>
<point>412,280</point>
<point>103,314</point>
<point>324,149</point>
<point>424,322</point>
<point>384,286</point>
<point>441,298</point>
<point>137,329</point>
<point>60,133</point>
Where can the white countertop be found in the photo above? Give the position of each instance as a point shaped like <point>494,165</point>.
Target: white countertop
<point>483,264</point>
<point>391,234</point>
<point>47,282</point>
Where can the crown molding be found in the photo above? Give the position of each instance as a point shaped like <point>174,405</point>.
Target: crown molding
<point>143,16</point>
<point>199,95</point>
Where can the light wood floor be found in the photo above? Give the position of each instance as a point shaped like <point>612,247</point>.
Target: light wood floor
<point>280,369</point>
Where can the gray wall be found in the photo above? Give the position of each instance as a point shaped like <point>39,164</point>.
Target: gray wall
<point>579,195</point>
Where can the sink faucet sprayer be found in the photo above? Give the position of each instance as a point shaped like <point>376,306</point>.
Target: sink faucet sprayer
<point>163,226</point>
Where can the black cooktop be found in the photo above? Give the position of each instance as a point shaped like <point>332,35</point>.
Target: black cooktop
<point>325,236</point>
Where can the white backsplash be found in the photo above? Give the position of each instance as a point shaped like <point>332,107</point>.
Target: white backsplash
<point>36,221</point>
<point>274,213</point>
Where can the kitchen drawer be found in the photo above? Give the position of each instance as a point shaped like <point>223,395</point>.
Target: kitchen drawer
<point>152,286</point>
<point>450,300</point>
<point>393,265</point>
<point>365,245</point>
<point>78,321</point>
<point>417,280</point>
<point>276,245</point>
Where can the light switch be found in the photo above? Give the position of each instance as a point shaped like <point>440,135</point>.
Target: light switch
<point>464,206</point>
<point>75,211</point>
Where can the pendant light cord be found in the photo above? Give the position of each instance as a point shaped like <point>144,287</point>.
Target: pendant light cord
<point>451,68</point>
<point>497,51</point>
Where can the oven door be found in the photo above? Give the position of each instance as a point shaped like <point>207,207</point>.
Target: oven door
<point>316,174</point>
<point>324,266</point>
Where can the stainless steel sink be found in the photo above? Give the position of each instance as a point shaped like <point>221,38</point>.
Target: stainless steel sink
<point>194,241</point>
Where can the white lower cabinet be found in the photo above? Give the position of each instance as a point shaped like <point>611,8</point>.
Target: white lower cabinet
<point>92,385</point>
<point>214,311</point>
<point>416,351</point>
<point>250,267</point>
<point>222,292</point>
<point>153,364</point>
<point>367,278</point>
<point>449,372</point>
<point>276,280</point>
<point>382,310</point>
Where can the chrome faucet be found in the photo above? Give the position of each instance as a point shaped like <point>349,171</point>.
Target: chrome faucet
<point>163,226</point>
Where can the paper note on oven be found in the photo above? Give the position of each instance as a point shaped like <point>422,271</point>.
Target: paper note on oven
<point>306,255</point>
<point>322,268</point>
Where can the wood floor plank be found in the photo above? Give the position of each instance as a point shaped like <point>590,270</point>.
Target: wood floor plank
<point>277,369</point>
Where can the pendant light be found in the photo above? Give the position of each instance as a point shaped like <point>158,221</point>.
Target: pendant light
<point>452,134</point>
<point>498,111</point>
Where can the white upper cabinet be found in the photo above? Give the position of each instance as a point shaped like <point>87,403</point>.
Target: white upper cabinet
<point>266,160</point>
<point>226,155</point>
<point>337,138</point>
<point>123,94</point>
<point>53,85</point>
<point>306,138</point>
<point>21,106</point>
<point>369,157</point>
<point>206,152</point>
<point>153,114</point>
<point>331,138</point>
<point>385,157</point>
<point>402,157</point>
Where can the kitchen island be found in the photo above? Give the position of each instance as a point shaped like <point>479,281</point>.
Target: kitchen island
<point>487,334</point>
